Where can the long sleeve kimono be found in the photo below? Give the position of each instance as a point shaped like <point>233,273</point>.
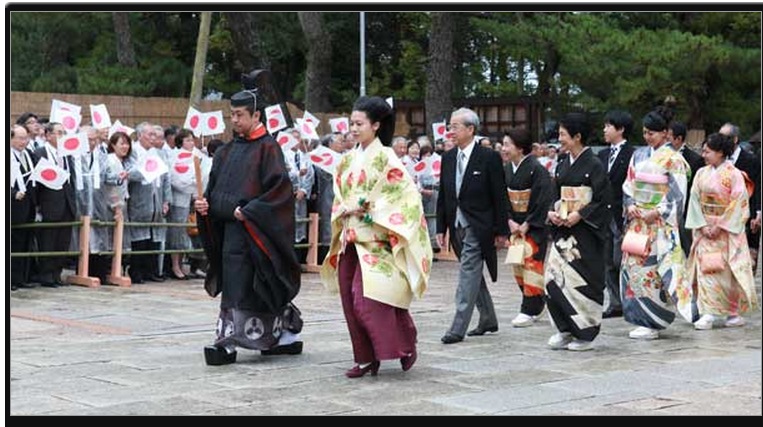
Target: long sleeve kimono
<point>252,262</point>
<point>530,177</point>
<point>653,182</point>
<point>575,265</point>
<point>380,262</point>
<point>718,197</point>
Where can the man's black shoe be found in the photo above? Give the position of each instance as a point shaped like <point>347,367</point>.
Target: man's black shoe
<point>451,338</point>
<point>14,287</point>
<point>612,312</point>
<point>217,356</point>
<point>155,278</point>
<point>479,330</point>
<point>293,348</point>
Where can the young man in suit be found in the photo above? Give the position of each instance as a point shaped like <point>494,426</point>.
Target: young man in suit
<point>749,164</point>
<point>617,127</point>
<point>677,138</point>
<point>473,207</point>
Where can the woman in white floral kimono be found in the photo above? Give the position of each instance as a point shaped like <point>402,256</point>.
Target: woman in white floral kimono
<point>380,255</point>
<point>653,199</point>
<point>719,283</point>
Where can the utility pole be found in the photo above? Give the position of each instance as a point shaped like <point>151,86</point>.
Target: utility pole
<point>202,43</point>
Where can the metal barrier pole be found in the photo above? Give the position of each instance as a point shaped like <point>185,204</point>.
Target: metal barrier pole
<point>82,278</point>
<point>116,278</point>
<point>312,240</point>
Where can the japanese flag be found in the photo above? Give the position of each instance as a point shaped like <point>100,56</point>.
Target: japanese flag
<point>390,102</point>
<point>286,140</point>
<point>275,118</point>
<point>438,130</point>
<point>119,127</point>
<point>419,168</point>
<point>307,130</point>
<point>340,125</point>
<point>48,174</point>
<point>57,105</point>
<point>99,116</point>
<point>435,163</point>
<point>212,123</point>
<point>325,158</point>
<point>151,167</point>
<point>73,144</point>
<point>193,121</point>
<point>309,118</point>
<point>182,173</point>
<point>69,119</point>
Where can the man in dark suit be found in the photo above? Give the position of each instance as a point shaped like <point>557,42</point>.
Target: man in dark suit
<point>677,138</point>
<point>55,206</point>
<point>473,207</point>
<point>617,128</point>
<point>22,206</point>
<point>749,164</point>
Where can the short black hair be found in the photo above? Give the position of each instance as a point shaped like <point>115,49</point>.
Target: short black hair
<point>214,145</point>
<point>678,129</point>
<point>180,136</point>
<point>521,139</point>
<point>720,143</point>
<point>620,120</point>
<point>576,123</point>
<point>24,117</point>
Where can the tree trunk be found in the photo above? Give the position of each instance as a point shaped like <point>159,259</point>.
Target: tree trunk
<point>249,52</point>
<point>202,43</point>
<point>318,75</point>
<point>438,102</point>
<point>125,49</point>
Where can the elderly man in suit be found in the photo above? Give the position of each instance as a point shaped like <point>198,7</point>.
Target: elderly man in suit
<point>473,207</point>
<point>617,127</point>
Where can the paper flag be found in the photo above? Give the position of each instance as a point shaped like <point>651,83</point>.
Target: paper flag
<point>48,174</point>
<point>99,116</point>
<point>57,105</point>
<point>340,125</point>
<point>311,119</point>
<point>69,119</point>
<point>212,123</point>
<point>307,130</point>
<point>286,140</point>
<point>438,130</point>
<point>152,167</point>
<point>325,158</point>
<point>275,118</point>
<point>73,144</point>
<point>193,120</point>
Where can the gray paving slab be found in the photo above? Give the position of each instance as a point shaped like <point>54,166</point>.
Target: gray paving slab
<point>138,351</point>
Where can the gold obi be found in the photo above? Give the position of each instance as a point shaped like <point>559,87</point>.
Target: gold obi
<point>520,200</point>
<point>574,199</point>
<point>712,204</point>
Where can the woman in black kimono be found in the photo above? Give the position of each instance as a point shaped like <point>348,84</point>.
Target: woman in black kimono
<point>575,264</point>
<point>530,190</point>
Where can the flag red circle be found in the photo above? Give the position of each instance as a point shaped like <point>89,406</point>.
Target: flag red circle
<point>184,155</point>
<point>181,168</point>
<point>440,130</point>
<point>283,140</point>
<point>71,143</point>
<point>436,165</point>
<point>151,165</point>
<point>194,122</point>
<point>97,117</point>
<point>316,159</point>
<point>341,127</point>
<point>420,166</point>
<point>49,174</point>
<point>212,123</point>
<point>306,128</point>
<point>69,122</point>
<point>273,123</point>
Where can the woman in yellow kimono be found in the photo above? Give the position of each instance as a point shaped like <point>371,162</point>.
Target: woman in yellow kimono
<point>380,255</point>
<point>719,276</point>
<point>654,192</point>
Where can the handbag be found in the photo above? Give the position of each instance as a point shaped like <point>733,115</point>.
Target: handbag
<point>193,230</point>
<point>636,243</point>
<point>516,253</point>
<point>711,262</point>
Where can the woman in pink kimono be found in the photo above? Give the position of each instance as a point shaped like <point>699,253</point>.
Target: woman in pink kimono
<point>719,277</point>
<point>380,255</point>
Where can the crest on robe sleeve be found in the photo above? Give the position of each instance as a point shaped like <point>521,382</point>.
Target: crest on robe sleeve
<point>438,130</point>
<point>193,121</point>
<point>99,116</point>
<point>340,125</point>
<point>325,158</point>
<point>151,166</point>
<point>47,173</point>
<point>212,123</point>
<point>275,119</point>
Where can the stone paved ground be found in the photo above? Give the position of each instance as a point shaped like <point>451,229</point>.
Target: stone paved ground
<point>116,351</point>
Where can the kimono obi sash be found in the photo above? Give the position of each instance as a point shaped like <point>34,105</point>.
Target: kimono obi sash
<point>649,189</point>
<point>520,200</point>
<point>712,204</point>
<point>574,199</point>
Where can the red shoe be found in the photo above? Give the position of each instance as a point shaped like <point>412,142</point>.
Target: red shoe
<point>408,361</point>
<point>357,371</point>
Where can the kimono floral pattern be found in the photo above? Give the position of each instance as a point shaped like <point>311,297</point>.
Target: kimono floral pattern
<point>392,241</point>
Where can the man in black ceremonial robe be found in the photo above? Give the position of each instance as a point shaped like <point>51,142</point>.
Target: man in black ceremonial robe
<point>247,225</point>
